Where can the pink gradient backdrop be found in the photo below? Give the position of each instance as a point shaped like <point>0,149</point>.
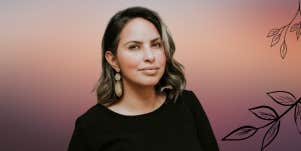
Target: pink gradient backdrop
<point>50,60</point>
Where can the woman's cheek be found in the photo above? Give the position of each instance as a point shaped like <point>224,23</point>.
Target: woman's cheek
<point>132,59</point>
<point>161,58</point>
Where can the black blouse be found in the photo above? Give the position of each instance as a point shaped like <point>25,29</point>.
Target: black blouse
<point>171,127</point>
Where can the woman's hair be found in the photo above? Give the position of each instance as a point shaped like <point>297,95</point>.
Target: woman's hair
<point>173,78</point>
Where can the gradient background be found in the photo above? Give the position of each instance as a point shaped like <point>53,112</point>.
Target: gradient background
<point>50,61</point>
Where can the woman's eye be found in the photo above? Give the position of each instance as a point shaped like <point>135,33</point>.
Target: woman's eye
<point>134,47</point>
<point>157,45</point>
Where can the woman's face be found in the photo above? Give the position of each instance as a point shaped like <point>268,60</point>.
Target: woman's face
<point>140,54</point>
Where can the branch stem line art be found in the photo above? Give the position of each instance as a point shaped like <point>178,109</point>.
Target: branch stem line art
<point>276,33</point>
<point>267,113</point>
<point>291,107</point>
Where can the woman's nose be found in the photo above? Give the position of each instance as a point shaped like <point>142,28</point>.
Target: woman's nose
<point>149,54</point>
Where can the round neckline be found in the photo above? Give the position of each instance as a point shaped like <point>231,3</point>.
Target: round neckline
<point>155,111</point>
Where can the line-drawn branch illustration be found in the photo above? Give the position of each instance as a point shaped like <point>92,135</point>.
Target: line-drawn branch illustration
<point>277,33</point>
<point>269,114</point>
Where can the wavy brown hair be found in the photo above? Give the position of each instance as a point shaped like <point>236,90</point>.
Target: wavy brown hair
<point>173,79</point>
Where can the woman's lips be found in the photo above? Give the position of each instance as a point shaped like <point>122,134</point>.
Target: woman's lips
<point>150,68</point>
<point>150,71</point>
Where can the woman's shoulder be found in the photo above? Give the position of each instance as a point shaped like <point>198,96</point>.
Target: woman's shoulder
<point>91,116</point>
<point>186,92</point>
<point>188,95</point>
<point>189,98</point>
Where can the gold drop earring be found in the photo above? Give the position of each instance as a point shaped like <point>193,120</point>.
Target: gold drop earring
<point>118,85</point>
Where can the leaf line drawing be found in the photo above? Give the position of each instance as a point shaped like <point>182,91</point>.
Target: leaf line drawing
<point>277,33</point>
<point>270,115</point>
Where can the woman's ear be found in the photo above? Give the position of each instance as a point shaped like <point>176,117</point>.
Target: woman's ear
<point>112,60</point>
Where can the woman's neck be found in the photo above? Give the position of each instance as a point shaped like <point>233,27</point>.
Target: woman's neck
<point>139,99</point>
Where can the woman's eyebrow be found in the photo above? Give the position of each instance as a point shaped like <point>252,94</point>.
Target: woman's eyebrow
<point>158,38</point>
<point>139,42</point>
<point>132,41</point>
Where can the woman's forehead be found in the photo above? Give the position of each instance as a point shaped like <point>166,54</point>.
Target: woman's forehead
<point>139,29</point>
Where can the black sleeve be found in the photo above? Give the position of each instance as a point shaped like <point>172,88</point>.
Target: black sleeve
<point>204,129</point>
<point>77,142</point>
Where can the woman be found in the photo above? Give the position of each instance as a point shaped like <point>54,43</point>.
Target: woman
<point>142,104</point>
